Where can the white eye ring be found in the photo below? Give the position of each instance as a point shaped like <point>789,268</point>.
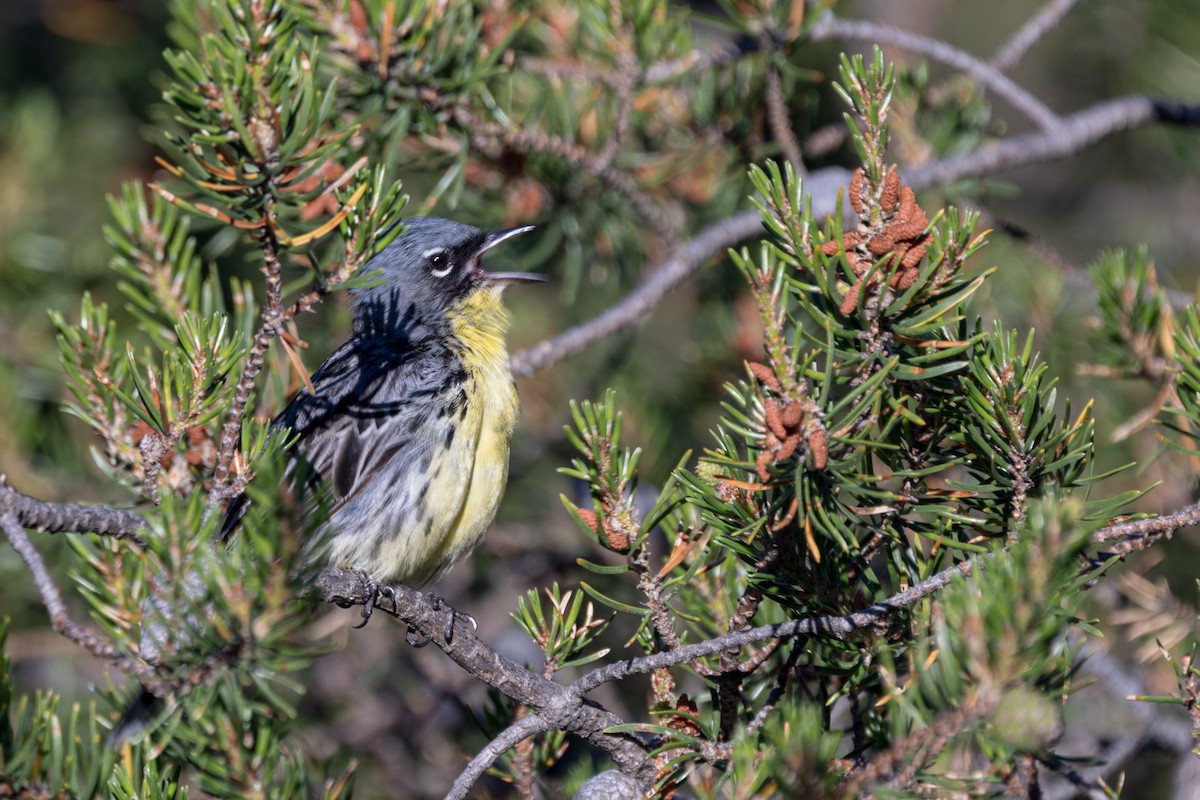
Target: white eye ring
<point>436,256</point>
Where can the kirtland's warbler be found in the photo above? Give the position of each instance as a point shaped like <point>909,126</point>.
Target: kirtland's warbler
<point>408,429</point>
<point>409,426</point>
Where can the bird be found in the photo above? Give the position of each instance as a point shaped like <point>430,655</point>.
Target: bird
<point>406,430</point>
<point>406,433</point>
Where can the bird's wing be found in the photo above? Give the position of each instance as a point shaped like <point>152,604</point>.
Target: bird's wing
<point>375,400</point>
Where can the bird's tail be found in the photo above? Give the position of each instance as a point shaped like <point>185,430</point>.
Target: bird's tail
<point>140,712</point>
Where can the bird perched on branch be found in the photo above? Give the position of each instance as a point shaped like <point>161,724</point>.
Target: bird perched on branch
<point>408,428</point>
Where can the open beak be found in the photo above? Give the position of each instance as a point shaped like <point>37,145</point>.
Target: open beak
<point>505,278</point>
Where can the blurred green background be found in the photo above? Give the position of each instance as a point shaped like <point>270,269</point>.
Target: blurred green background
<point>77,91</point>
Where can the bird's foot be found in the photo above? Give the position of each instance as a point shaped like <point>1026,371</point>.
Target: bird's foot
<point>439,604</point>
<point>374,592</point>
<point>415,639</point>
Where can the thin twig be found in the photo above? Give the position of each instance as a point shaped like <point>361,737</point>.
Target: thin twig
<point>625,87</point>
<point>510,737</point>
<point>272,324</point>
<point>831,26</point>
<point>70,517</point>
<point>60,620</point>
<point>777,111</point>
<point>1090,788</point>
<point>778,689</point>
<point>1029,34</point>
<point>1075,276</point>
<point>485,134</point>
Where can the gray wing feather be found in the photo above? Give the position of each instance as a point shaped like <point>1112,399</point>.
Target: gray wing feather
<point>376,400</point>
<point>372,404</point>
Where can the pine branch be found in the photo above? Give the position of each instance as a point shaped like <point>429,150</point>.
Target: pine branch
<point>60,620</point>
<point>70,517</point>
<point>875,617</point>
<point>272,324</point>
<point>559,707</point>
<point>1072,134</point>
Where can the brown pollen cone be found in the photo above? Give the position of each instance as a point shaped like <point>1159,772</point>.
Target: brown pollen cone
<point>899,237</point>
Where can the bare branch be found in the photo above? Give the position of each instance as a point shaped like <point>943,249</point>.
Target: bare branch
<point>1073,134</point>
<point>510,737</point>
<point>683,261</point>
<point>782,679</point>
<point>1138,534</point>
<point>679,265</point>
<point>60,620</point>
<point>833,27</point>
<point>559,707</point>
<point>1029,34</point>
<point>70,517</point>
<point>1141,533</point>
<point>878,615</point>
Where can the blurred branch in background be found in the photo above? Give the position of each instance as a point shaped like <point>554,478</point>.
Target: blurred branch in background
<point>872,581</point>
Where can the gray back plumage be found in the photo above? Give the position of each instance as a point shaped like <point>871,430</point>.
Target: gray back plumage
<point>377,385</point>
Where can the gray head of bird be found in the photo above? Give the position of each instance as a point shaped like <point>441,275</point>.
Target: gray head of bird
<point>436,262</point>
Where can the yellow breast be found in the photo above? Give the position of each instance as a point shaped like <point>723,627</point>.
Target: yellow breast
<point>479,324</point>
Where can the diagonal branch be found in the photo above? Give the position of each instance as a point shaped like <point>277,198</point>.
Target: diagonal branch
<point>678,267</point>
<point>1029,34</point>
<point>1074,132</point>
<point>559,707</point>
<point>510,737</point>
<point>60,620</point>
<point>876,616</point>
<point>834,27</point>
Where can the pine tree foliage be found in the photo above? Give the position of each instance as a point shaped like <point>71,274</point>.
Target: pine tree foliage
<point>900,477</point>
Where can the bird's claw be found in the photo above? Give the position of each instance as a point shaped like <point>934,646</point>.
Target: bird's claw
<point>412,637</point>
<point>374,592</point>
<point>438,604</point>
